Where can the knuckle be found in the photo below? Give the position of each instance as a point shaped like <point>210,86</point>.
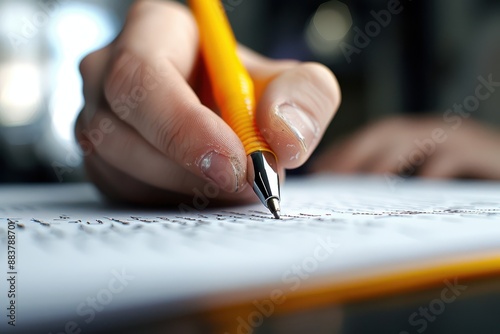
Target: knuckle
<point>79,126</point>
<point>123,72</point>
<point>84,65</point>
<point>93,123</point>
<point>87,64</point>
<point>89,133</point>
<point>168,137</point>
<point>174,21</point>
<point>138,8</point>
<point>145,7</point>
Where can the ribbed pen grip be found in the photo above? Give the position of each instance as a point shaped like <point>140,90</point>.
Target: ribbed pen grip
<point>241,119</point>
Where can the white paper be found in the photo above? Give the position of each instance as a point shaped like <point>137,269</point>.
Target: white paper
<point>70,245</point>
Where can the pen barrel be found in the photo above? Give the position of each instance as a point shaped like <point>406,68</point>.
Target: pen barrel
<point>239,114</point>
<point>232,85</point>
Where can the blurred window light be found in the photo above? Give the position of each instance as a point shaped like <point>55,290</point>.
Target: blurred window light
<point>14,20</point>
<point>328,26</point>
<point>76,30</point>
<point>20,93</point>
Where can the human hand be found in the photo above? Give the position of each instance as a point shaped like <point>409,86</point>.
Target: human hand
<point>150,132</point>
<point>427,147</point>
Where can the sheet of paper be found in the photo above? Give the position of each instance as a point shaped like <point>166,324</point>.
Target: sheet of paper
<point>70,246</point>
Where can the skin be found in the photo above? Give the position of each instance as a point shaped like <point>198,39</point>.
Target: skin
<point>150,122</point>
<point>470,150</point>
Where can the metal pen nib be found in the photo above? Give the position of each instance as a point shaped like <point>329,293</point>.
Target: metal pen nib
<point>274,206</point>
<point>263,176</point>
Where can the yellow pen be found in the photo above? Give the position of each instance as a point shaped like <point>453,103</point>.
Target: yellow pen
<point>234,95</point>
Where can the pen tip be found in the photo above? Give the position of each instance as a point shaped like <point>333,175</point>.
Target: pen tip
<point>274,206</point>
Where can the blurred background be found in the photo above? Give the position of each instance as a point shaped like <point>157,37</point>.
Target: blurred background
<point>422,58</point>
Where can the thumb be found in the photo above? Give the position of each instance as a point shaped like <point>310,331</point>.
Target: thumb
<point>295,109</point>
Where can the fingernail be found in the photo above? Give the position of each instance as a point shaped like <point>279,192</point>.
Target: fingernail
<point>298,123</point>
<point>220,170</point>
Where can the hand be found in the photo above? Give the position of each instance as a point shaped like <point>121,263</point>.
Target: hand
<point>150,132</point>
<point>426,147</point>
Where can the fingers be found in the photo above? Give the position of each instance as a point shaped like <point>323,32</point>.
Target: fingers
<point>385,147</point>
<point>141,160</point>
<point>159,133</point>
<point>472,152</point>
<point>146,88</point>
<point>142,163</point>
<point>441,168</point>
<point>170,117</point>
<point>407,146</point>
<point>92,69</point>
<point>119,186</point>
<point>370,149</point>
<point>295,109</point>
<point>122,187</point>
